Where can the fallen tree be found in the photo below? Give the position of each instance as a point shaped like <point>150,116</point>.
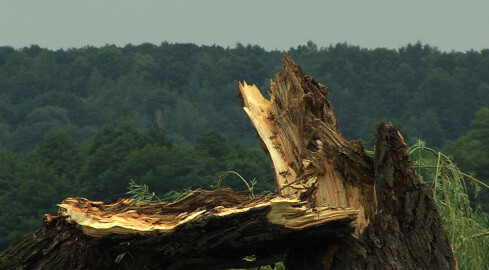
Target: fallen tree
<point>335,206</point>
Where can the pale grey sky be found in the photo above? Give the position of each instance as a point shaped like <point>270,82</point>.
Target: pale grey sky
<point>273,24</point>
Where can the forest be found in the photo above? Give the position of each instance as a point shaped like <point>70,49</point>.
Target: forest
<point>86,121</point>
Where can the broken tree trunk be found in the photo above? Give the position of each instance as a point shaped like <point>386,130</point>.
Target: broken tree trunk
<point>336,207</point>
<point>398,225</point>
<point>312,161</point>
<point>205,230</point>
<point>406,232</point>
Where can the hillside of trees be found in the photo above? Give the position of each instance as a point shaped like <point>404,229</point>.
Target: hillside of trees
<point>84,121</point>
<point>190,89</point>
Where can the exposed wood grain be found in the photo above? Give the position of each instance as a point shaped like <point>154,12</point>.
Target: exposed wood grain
<point>312,161</point>
<point>205,230</point>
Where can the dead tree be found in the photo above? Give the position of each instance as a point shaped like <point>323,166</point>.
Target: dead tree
<point>335,206</point>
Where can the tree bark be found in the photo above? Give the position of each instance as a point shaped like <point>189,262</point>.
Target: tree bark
<point>406,232</point>
<point>335,206</point>
<point>206,230</point>
<point>398,225</point>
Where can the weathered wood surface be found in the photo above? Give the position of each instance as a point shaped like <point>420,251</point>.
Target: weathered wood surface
<point>205,230</point>
<point>398,226</point>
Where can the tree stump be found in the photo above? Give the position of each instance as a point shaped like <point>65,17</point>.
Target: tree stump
<point>398,225</point>
<point>335,206</point>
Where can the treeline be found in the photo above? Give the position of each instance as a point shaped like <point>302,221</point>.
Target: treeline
<point>189,89</point>
<point>101,168</point>
<point>186,88</point>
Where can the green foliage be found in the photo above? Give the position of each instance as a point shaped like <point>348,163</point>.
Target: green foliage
<point>119,257</point>
<point>30,188</point>
<point>100,168</point>
<point>220,180</point>
<point>189,89</point>
<point>277,266</point>
<point>172,196</point>
<point>59,152</point>
<point>467,227</point>
<point>140,193</point>
<point>471,151</point>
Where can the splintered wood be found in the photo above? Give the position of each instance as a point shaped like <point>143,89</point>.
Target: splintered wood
<point>127,217</point>
<point>311,160</point>
<point>216,229</point>
<point>258,109</point>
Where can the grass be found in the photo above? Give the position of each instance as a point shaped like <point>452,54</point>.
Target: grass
<point>141,193</point>
<point>220,181</point>
<point>466,225</point>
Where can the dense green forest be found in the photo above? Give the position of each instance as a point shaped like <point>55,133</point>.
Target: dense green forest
<point>190,89</point>
<point>83,122</point>
<point>101,168</point>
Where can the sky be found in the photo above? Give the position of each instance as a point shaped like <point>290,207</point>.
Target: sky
<point>272,24</point>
